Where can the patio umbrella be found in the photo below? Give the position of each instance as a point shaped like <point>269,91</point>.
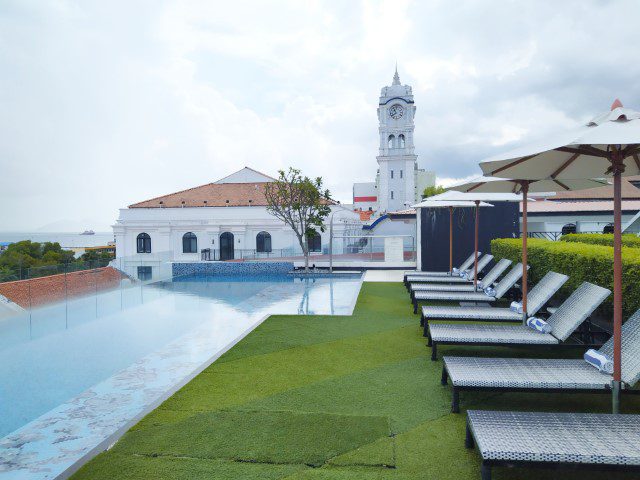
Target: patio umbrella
<point>451,204</point>
<point>476,198</point>
<point>608,145</point>
<point>501,185</point>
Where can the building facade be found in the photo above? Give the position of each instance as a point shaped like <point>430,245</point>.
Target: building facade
<point>399,183</point>
<point>222,220</point>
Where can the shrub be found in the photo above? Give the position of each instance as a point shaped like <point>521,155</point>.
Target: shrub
<point>582,262</point>
<point>628,239</point>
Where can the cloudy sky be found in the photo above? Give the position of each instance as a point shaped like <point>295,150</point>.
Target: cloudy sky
<point>107,103</point>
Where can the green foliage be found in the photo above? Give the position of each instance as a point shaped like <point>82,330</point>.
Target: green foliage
<point>27,259</point>
<point>580,261</point>
<point>98,257</point>
<point>301,203</point>
<point>433,190</point>
<point>628,239</point>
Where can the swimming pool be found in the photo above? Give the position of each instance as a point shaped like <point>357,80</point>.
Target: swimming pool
<point>130,348</point>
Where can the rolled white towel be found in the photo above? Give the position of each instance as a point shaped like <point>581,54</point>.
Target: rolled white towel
<point>455,271</point>
<point>538,324</point>
<point>469,276</point>
<point>480,285</point>
<point>516,307</point>
<point>490,291</point>
<point>463,273</point>
<point>599,360</point>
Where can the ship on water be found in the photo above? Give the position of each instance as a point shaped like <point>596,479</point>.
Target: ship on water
<point>88,232</point>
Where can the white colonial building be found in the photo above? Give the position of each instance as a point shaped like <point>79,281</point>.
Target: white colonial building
<point>399,182</point>
<point>223,220</point>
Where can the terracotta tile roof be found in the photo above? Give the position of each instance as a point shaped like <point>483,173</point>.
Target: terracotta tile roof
<point>211,195</point>
<point>602,193</point>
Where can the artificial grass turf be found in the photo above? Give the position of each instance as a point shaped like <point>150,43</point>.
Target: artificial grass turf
<point>323,398</point>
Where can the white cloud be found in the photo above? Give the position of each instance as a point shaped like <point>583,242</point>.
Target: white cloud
<point>105,104</point>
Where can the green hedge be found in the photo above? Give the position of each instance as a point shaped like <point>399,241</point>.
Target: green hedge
<point>628,239</point>
<point>581,262</point>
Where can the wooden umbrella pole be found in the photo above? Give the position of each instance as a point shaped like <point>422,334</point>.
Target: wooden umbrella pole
<point>450,239</point>
<point>475,266</point>
<point>617,166</point>
<point>525,193</point>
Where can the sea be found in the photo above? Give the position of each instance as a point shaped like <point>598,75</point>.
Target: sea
<point>65,239</point>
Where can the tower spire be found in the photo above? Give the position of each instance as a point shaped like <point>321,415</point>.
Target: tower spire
<point>396,77</point>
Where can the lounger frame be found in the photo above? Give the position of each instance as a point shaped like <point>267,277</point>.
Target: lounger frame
<point>488,464</point>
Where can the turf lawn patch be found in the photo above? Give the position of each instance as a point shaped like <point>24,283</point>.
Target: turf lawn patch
<point>114,466</point>
<point>258,436</point>
<point>398,390</point>
<point>238,382</point>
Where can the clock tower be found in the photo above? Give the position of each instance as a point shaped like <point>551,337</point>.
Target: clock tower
<point>396,157</point>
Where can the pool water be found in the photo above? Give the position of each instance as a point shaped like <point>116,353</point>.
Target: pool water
<point>53,354</point>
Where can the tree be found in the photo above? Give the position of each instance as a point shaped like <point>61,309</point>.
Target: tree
<point>433,190</point>
<point>301,203</point>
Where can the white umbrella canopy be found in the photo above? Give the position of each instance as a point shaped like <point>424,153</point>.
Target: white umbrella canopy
<point>496,185</point>
<point>451,195</point>
<point>452,204</point>
<point>585,152</point>
<point>448,203</point>
<point>609,145</point>
<point>547,185</point>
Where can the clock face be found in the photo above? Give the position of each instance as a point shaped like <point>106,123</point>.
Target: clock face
<point>396,111</point>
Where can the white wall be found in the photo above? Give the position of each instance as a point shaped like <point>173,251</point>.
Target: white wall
<point>584,222</point>
<point>166,226</point>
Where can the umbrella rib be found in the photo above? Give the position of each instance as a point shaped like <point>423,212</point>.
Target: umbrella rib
<point>572,158</point>
<point>561,184</point>
<point>514,163</point>
<point>583,150</point>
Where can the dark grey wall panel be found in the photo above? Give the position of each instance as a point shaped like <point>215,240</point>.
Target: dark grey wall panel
<point>500,221</point>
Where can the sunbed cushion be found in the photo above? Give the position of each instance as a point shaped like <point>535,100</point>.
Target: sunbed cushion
<point>583,438</point>
<point>442,287</point>
<point>517,334</point>
<point>630,349</point>
<point>530,373</point>
<point>453,296</point>
<point>421,280</point>
<point>470,313</point>
<point>575,309</point>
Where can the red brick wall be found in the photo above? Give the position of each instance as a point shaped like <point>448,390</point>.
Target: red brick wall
<point>43,290</point>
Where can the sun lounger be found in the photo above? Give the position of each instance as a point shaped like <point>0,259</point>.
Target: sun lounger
<point>554,440</point>
<point>544,375</point>
<point>416,279</point>
<point>463,266</point>
<point>566,319</point>
<point>502,287</point>
<point>537,298</point>
<point>461,284</point>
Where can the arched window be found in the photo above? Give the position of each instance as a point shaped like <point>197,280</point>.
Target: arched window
<point>314,243</point>
<point>189,243</point>
<point>401,141</point>
<point>392,141</point>
<point>143,243</point>
<point>263,242</point>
